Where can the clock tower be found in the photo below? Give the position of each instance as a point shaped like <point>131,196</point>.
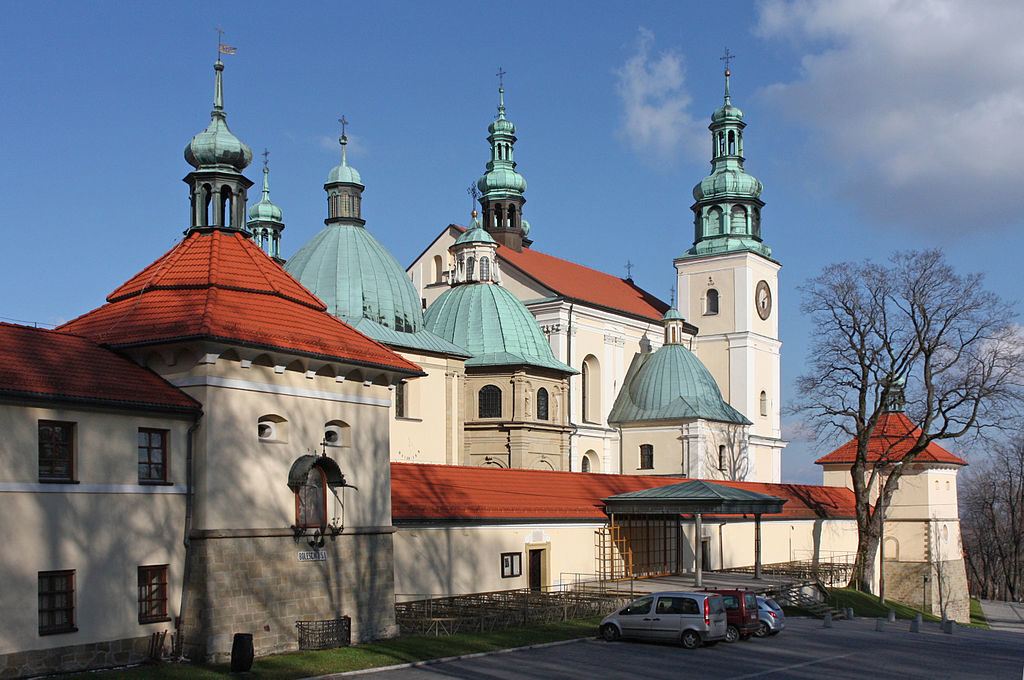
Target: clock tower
<point>727,286</point>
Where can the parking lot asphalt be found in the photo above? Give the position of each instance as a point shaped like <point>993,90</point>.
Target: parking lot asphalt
<point>850,649</point>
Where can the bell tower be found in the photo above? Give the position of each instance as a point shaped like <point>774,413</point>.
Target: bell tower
<point>728,287</point>
<point>501,187</point>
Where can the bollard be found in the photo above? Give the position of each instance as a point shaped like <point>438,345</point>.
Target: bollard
<point>892,616</point>
<point>948,627</point>
<point>879,624</point>
<point>915,625</point>
<point>828,620</point>
<point>849,613</point>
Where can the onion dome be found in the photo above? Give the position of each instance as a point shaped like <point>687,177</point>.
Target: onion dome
<point>672,315</point>
<point>671,384</point>
<point>501,176</point>
<point>493,325</point>
<point>264,210</point>
<point>343,173</point>
<point>475,234</point>
<point>732,181</point>
<point>526,228</point>
<point>216,145</point>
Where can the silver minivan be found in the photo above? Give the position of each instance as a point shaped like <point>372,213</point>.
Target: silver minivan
<point>692,619</point>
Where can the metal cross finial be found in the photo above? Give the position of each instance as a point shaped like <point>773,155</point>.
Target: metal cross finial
<point>672,295</point>
<point>266,158</point>
<point>473,192</point>
<point>629,270</point>
<point>727,58</point>
<point>501,77</point>
<point>344,124</point>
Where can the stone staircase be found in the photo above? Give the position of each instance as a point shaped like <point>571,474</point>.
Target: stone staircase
<point>796,595</point>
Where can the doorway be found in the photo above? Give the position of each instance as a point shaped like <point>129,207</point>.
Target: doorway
<point>705,553</point>
<point>536,565</point>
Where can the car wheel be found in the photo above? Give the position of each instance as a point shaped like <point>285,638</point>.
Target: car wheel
<point>763,630</point>
<point>610,633</point>
<point>691,639</point>
<point>732,634</point>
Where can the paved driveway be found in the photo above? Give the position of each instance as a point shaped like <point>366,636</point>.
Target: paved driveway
<point>852,649</point>
<point>1004,615</point>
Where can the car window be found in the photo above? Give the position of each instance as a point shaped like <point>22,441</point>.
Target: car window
<point>676,605</point>
<point>750,601</point>
<point>641,606</point>
<point>731,601</point>
<point>773,604</point>
<point>717,606</point>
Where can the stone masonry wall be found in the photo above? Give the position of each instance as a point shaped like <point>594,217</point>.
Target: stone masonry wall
<point>904,582</point>
<point>74,658</point>
<point>256,584</point>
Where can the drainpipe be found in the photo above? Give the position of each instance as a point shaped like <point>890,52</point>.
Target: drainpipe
<point>619,428</point>
<point>568,394</point>
<point>682,450</point>
<point>189,492</point>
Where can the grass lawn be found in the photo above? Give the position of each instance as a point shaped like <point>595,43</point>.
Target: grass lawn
<point>383,653</point>
<point>978,618</point>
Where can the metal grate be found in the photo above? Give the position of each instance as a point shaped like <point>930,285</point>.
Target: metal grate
<point>325,634</point>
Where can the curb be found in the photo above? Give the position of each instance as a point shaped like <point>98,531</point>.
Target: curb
<point>445,659</point>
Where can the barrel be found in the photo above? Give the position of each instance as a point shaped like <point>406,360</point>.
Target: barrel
<point>241,652</point>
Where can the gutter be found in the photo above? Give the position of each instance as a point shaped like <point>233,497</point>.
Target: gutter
<point>568,396</point>
<point>186,539</point>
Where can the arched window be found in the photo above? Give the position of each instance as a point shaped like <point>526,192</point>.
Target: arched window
<point>470,266</point>
<point>489,405</point>
<point>485,269</point>
<point>438,268</point>
<point>542,404</point>
<point>738,220</point>
<point>272,428</point>
<point>721,459</point>
<point>311,500</point>
<point>207,204</point>
<point>226,207</point>
<point>587,462</point>
<point>732,143</point>
<point>647,456</point>
<point>337,433</point>
<point>892,549</point>
<point>711,302</point>
<point>591,383</point>
<point>511,217</point>
<point>714,221</point>
<point>764,403</point>
<point>755,223</point>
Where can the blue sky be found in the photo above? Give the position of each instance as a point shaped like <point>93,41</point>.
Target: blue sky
<point>874,126</point>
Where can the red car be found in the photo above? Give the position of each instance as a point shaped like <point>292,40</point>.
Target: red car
<point>741,611</point>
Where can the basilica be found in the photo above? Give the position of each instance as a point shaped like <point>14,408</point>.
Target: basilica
<point>321,435</point>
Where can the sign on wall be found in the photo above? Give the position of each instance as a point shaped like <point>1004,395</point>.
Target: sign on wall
<point>312,556</point>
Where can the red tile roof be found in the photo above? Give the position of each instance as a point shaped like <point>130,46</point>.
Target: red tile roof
<point>220,285</point>
<point>37,363</point>
<point>583,283</point>
<point>451,492</point>
<point>892,439</point>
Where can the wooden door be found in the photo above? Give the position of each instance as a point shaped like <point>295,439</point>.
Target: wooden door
<point>535,569</point>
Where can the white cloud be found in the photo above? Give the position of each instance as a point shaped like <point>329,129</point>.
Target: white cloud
<point>918,103</point>
<point>657,121</point>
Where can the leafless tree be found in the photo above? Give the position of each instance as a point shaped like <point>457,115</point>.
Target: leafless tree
<point>992,520</point>
<point>910,328</point>
<point>730,458</point>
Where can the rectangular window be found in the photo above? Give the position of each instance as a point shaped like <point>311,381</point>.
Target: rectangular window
<point>400,397</point>
<point>647,456</point>
<point>152,455</point>
<point>56,602</point>
<point>56,451</point>
<point>153,594</point>
<point>511,564</point>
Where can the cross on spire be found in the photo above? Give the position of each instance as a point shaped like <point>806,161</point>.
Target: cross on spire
<point>501,77</point>
<point>672,295</point>
<point>344,124</point>
<point>629,270</point>
<point>727,57</point>
<point>266,158</point>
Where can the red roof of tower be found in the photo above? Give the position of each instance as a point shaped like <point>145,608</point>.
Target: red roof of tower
<point>452,492</point>
<point>894,435</point>
<point>44,364</point>
<point>220,285</point>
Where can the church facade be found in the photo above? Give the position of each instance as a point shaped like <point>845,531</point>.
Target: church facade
<point>234,442</point>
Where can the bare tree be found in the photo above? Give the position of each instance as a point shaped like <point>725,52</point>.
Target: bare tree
<point>992,509</point>
<point>912,329</point>
<point>730,459</point>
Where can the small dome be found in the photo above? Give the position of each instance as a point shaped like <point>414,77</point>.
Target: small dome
<point>728,182</point>
<point>216,145</point>
<point>671,384</point>
<point>726,112</point>
<point>501,179</point>
<point>672,315</point>
<point>476,234</point>
<point>344,173</point>
<point>502,125</point>
<point>265,211</point>
<point>357,278</point>
<point>526,228</point>
<point>493,325</point>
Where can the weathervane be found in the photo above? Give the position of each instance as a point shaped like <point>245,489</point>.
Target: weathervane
<point>473,194</point>
<point>727,58</point>
<point>221,47</point>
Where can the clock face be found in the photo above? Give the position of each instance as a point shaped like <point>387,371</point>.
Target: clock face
<point>763,300</point>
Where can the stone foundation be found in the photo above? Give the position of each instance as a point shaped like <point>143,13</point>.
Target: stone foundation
<point>74,658</point>
<point>254,582</point>
<point>905,582</point>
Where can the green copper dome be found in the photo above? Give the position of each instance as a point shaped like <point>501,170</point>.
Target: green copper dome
<point>672,315</point>
<point>264,210</point>
<point>671,384</point>
<point>501,179</point>
<point>356,277</point>
<point>493,325</point>
<point>216,145</point>
<point>728,181</point>
<point>726,112</point>
<point>343,172</point>
<point>475,234</point>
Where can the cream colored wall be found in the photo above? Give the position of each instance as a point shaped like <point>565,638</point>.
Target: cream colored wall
<point>235,469</point>
<point>421,270</point>
<point>104,527</point>
<point>732,543</point>
<point>431,431</point>
<point>689,448</point>
<point>442,560</point>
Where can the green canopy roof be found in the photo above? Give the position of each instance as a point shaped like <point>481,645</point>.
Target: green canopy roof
<point>493,325</point>
<point>694,496</point>
<point>671,384</point>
